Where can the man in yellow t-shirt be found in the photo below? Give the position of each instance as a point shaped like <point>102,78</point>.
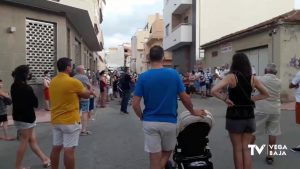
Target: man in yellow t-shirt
<point>65,92</point>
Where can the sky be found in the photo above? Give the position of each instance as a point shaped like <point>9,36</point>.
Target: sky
<point>121,18</point>
<point>297,4</point>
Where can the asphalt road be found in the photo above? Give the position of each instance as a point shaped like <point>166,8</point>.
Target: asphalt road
<point>117,142</point>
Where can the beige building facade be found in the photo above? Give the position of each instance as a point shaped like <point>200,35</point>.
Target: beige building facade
<point>38,37</point>
<point>272,41</point>
<point>127,54</point>
<point>155,38</point>
<point>137,48</point>
<point>144,39</point>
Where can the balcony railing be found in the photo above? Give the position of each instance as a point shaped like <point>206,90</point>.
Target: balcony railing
<point>179,25</point>
<point>180,36</point>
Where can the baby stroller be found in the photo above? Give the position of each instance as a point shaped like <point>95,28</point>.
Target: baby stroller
<point>192,151</point>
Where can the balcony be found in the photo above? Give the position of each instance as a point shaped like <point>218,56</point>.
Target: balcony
<point>155,36</point>
<point>180,36</point>
<point>100,38</point>
<point>178,6</point>
<point>181,6</point>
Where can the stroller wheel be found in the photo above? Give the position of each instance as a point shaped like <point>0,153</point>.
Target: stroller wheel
<point>169,165</point>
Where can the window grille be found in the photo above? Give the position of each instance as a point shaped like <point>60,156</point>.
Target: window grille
<point>40,47</point>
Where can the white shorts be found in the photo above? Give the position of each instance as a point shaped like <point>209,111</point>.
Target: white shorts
<point>66,135</point>
<point>159,136</point>
<point>267,124</point>
<point>110,91</point>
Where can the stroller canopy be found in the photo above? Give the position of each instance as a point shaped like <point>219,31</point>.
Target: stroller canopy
<point>186,118</point>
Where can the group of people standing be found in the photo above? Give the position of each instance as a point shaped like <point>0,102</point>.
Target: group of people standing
<point>197,82</point>
<point>114,85</point>
<point>248,113</point>
<point>253,106</point>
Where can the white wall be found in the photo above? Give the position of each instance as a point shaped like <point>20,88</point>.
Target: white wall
<point>93,8</point>
<point>167,14</point>
<point>220,17</point>
<point>116,57</point>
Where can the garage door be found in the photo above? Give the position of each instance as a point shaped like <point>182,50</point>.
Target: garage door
<point>259,59</point>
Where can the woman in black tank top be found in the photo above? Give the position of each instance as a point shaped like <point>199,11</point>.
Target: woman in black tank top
<point>240,111</point>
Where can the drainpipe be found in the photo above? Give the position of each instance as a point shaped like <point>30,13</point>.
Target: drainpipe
<point>271,34</point>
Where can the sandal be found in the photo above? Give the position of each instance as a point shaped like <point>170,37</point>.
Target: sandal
<point>47,164</point>
<point>85,133</point>
<point>269,160</point>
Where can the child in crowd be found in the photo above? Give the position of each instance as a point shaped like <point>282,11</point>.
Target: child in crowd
<point>4,101</point>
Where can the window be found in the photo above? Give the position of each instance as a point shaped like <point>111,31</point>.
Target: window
<point>77,49</point>
<point>96,29</point>
<point>69,42</point>
<point>186,19</point>
<point>214,53</point>
<point>167,30</point>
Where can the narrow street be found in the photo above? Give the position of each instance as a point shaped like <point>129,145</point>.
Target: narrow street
<point>117,142</point>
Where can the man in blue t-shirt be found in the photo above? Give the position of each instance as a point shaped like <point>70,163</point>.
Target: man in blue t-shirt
<point>159,87</point>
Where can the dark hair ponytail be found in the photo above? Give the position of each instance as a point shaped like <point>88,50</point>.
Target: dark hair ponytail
<point>241,64</point>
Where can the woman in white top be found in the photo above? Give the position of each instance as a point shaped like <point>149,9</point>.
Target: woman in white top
<point>46,83</point>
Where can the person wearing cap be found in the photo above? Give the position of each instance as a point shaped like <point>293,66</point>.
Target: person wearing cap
<point>267,112</point>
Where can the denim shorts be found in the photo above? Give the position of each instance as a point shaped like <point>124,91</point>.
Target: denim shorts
<point>23,125</point>
<point>84,106</point>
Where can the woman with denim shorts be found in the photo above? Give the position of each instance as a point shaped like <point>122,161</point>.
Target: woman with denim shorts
<point>24,101</point>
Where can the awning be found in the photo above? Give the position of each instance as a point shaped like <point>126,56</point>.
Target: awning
<point>79,18</point>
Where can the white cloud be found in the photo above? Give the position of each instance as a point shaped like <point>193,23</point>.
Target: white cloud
<point>123,7</point>
<point>116,39</point>
<point>123,17</point>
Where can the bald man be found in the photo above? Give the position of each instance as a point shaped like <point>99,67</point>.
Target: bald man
<point>84,103</point>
